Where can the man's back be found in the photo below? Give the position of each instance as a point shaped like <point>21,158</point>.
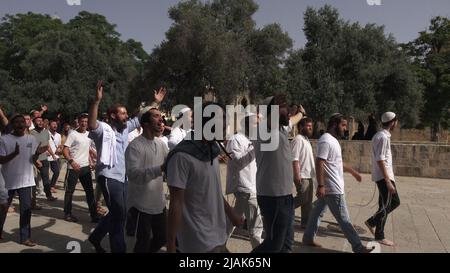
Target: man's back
<point>274,176</point>
<point>204,224</point>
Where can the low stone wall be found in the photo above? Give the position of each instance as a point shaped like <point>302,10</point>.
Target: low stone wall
<point>418,160</point>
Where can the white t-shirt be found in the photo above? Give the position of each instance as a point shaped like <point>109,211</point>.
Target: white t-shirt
<point>18,173</point>
<point>274,175</point>
<point>329,149</point>
<point>54,142</point>
<point>143,160</point>
<point>381,151</point>
<point>303,153</point>
<point>79,144</point>
<point>203,219</point>
<point>241,170</point>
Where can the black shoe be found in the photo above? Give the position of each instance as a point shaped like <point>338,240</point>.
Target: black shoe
<point>97,246</point>
<point>51,198</point>
<point>70,218</point>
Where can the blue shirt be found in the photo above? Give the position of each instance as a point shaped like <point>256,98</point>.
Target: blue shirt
<point>116,172</point>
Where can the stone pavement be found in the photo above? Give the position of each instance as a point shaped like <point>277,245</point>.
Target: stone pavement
<point>420,224</point>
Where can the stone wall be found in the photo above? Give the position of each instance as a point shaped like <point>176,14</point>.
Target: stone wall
<point>419,160</point>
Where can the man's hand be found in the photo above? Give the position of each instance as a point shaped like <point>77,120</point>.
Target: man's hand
<point>237,221</point>
<point>357,176</point>
<point>75,166</point>
<point>99,93</point>
<point>302,110</point>
<point>320,192</point>
<point>390,186</point>
<point>38,164</point>
<point>223,158</point>
<point>298,181</point>
<point>159,95</point>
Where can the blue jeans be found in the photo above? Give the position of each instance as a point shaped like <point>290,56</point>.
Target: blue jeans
<point>115,193</point>
<point>338,207</point>
<point>278,221</point>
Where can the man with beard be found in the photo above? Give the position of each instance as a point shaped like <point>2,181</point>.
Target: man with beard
<point>18,152</point>
<point>42,136</point>
<point>144,160</point>
<point>304,169</point>
<point>111,141</point>
<point>330,190</point>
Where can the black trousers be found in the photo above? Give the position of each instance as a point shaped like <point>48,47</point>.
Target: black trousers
<point>387,202</point>
<point>44,173</point>
<point>151,231</point>
<point>86,181</point>
<point>54,166</point>
<point>25,212</point>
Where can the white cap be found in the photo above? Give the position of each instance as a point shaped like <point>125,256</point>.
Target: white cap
<point>387,117</point>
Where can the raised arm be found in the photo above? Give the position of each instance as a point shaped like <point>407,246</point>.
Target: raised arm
<point>3,119</point>
<point>296,118</point>
<point>93,110</point>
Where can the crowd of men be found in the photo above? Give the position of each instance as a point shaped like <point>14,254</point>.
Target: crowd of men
<point>132,159</point>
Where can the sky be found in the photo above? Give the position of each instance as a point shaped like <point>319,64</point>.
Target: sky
<point>147,20</point>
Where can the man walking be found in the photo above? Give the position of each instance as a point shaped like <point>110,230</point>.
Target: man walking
<point>42,136</point>
<point>54,151</point>
<point>76,152</point>
<point>18,153</point>
<point>241,180</point>
<point>111,141</point>
<point>383,175</point>
<point>304,169</point>
<point>330,189</point>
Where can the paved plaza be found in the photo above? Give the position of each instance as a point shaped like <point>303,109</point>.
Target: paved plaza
<point>420,224</point>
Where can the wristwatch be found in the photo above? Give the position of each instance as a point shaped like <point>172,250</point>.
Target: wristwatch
<point>70,161</point>
<point>321,186</point>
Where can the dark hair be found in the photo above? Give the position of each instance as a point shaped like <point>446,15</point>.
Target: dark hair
<point>278,99</point>
<point>82,116</point>
<point>114,109</point>
<point>335,120</point>
<point>303,122</point>
<point>147,115</point>
<point>386,124</point>
<point>16,117</point>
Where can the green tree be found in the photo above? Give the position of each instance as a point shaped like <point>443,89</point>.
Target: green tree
<point>43,60</point>
<point>217,44</point>
<point>351,69</point>
<point>431,56</point>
